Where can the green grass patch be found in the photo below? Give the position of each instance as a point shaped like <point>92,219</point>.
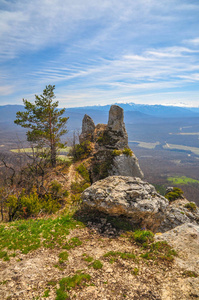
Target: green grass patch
<point>29,235</point>
<point>52,283</point>
<point>72,243</point>
<point>63,256</point>
<point>135,271</point>
<point>46,294</point>
<point>68,283</point>
<point>182,180</point>
<point>160,251</point>
<point>87,258</point>
<point>64,158</point>
<point>188,273</point>
<point>97,265</point>
<point>142,236</point>
<point>30,150</point>
<point>113,255</point>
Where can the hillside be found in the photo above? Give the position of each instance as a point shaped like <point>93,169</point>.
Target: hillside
<point>73,236</point>
<point>85,255</point>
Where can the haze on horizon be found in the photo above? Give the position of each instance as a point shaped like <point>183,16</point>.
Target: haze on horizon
<point>100,52</point>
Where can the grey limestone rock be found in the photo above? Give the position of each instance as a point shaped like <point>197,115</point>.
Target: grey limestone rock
<point>116,128</point>
<point>139,201</point>
<point>88,128</point>
<point>184,239</point>
<point>177,214</point>
<point>128,196</point>
<point>106,139</point>
<point>126,166</point>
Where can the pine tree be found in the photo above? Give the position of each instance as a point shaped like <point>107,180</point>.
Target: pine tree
<point>45,122</point>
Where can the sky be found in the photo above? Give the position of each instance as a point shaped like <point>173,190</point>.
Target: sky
<point>100,52</point>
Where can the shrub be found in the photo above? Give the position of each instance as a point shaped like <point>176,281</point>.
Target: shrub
<point>175,194</point>
<point>81,151</point>
<point>56,190</point>
<point>104,138</point>
<point>24,205</point>
<point>127,152</point>
<point>116,152</point>
<point>143,236</point>
<point>77,187</point>
<point>83,172</point>
<point>190,206</point>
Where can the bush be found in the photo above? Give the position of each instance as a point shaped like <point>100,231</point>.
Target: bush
<point>25,205</point>
<point>78,187</point>
<point>127,152</point>
<point>83,172</point>
<point>175,194</point>
<point>190,206</point>
<point>143,236</point>
<point>81,151</point>
<point>56,191</point>
<point>116,152</point>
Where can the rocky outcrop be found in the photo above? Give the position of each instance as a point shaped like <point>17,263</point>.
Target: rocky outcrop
<point>139,201</point>
<point>177,214</point>
<point>106,139</point>
<point>88,128</point>
<point>128,196</point>
<point>184,239</point>
<point>126,166</point>
<point>116,131</point>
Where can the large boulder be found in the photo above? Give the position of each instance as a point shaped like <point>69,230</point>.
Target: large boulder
<point>139,201</point>
<point>127,196</point>
<point>185,239</point>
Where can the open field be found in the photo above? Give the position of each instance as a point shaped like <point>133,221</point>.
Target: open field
<point>30,150</point>
<point>182,180</point>
<point>185,133</point>
<point>145,145</point>
<point>194,150</point>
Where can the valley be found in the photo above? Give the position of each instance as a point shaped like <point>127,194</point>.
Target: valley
<point>165,146</point>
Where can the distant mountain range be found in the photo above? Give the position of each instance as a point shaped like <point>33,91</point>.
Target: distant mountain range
<point>134,113</point>
<point>151,110</point>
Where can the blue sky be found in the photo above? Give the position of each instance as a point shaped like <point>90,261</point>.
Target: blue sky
<point>100,52</point>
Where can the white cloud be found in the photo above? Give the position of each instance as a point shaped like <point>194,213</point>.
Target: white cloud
<point>6,90</point>
<point>110,47</point>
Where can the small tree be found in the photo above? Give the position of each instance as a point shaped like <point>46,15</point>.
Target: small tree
<point>45,122</point>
